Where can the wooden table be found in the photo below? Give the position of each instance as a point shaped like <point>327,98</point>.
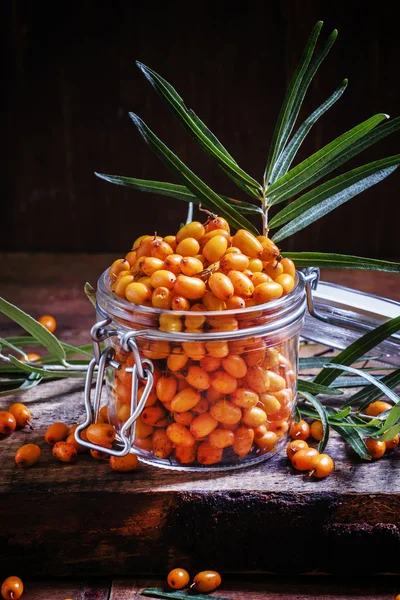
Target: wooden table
<point>81,520</point>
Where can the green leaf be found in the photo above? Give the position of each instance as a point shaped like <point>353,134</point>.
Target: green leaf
<point>376,382</point>
<point>389,434</point>
<point>325,198</point>
<point>341,261</point>
<point>206,195</point>
<point>8,344</point>
<point>196,127</point>
<point>349,382</point>
<point>32,381</point>
<point>90,293</point>
<point>358,348</point>
<point>322,415</point>
<point>322,162</point>
<point>340,415</point>
<point>179,595</point>
<point>372,392</point>
<point>61,372</point>
<point>317,362</point>
<point>287,156</point>
<point>287,114</point>
<point>173,190</point>
<point>40,333</point>
<point>351,436</point>
<point>314,388</point>
<point>391,420</point>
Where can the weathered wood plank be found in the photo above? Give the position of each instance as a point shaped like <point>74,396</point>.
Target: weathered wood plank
<point>276,588</point>
<point>70,590</point>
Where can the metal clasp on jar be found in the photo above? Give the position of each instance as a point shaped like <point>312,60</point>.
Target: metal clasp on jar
<point>142,369</point>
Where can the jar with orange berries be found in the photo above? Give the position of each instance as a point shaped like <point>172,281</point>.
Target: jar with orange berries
<point>201,333</point>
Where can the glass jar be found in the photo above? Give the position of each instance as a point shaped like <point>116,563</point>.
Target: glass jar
<point>224,382</point>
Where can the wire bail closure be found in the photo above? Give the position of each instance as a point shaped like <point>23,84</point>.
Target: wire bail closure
<point>142,369</point>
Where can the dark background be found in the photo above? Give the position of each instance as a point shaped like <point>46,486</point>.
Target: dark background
<point>71,80</point>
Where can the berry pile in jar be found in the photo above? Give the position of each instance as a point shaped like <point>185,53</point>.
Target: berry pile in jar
<point>212,401</point>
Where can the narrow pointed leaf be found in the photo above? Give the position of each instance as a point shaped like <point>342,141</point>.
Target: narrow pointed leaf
<point>282,129</point>
<point>287,156</point>
<point>358,348</point>
<point>32,381</point>
<point>389,434</point>
<point>40,333</point>
<point>392,419</point>
<point>8,344</point>
<point>325,198</point>
<point>341,261</point>
<point>376,382</point>
<point>173,190</point>
<point>371,392</point>
<point>315,388</point>
<point>61,372</point>
<point>324,161</point>
<point>317,362</point>
<point>351,436</point>
<point>322,415</point>
<point>90,293</point>
<point>196,127</point>
<point>200,189</point>
<point>340,415</point>
<point>179,595</point>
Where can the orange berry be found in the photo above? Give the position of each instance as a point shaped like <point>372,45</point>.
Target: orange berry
<point>300,430</point>
<point>238,262</point>
<point>217,223</point>
<point>302,459</point>
<point>206,581</point>
<point>247,243</point>
<point>185,400</point>
<point>124,463</point>
<point>195,230</point>
<point>27,455</point>
<point>64,452</point>
<point>12,588</point>
<point>321,465</point>
<point>376,448</point>
<point>48,322</point>
<point>118,265</point>
<point>215,248</point>
<point>166,388</point>
<point>286,281</point>
<point>79,448</point>
<point>244,438</point>
<point>172,263</point>
<point>178,579</point>
<point>153,415</point>
<point>245,398</point>
<point>179,435</point>
<point>221,438</point>
<point>226,412</point>
<point>288,267</point>
<point>138,293</point>
<point>208,454</point>
<point>223,382</point>
<point>8,422</point>
<point>254,416</point>
<point>317,430</point>
<point>191,266</point>
<point>189,287</point>
<point>390,444</point>
<point>221,286</point>
<point>294,447</point>
<point>100,433</point>
<point>203,425</point>
<point>21,413</point>
<point>265,292</point>
<point>198,378</point>
<point>57,432</point>
<point>376,408</point>
<point>242,285</point>
<point>31,357</point>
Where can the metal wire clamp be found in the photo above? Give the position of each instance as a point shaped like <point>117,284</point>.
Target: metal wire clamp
<point>142,369</point>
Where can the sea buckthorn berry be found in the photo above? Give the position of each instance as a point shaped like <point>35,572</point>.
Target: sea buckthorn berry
<point>215,248</point>
<point>178,579</point>
<point>122,391</point>
<point>189,287</point>
<point>170,322</point>
<point>321,465</point>
<point>143,430</point>
<point>317,430</point>
<point>64,452</point>
<point>210,363</point>
<point>198,378</point>
<point>71,429</point>
<point>146,246</point>
<point>185,400</point>
<point>270,251</point>
<point>206,581</point>
<point>79,447</point>
<point>139,240</point>
<point>276,382</point>
<point>233,250</point>
<point>173,263</point>
<point>235,303</point>
<point>162,445</point>
<point>217,223</point>
<point>215,233</point>
<point>244,438</point>
<point>180,435</point>
<point>49,322</point>
<point>255,265</point>
<point>221,438</point>
<point>247,243</point>
<point>288,267</point>
<point>161,250</point>
<point>161,298</point>
<point>217,349</point>
<point>221,286</point>
<point>145,280</point>
<point>211,302</point>
<point>124,412</point>
<point>171,241</point>
<point>138,293</point>
<point>21,413</point>
<point>273,269</point>
<point>31,357</point>
<point>151,265</point>
<point>254,357</point>
<point>27,455</point>
<point>242,285</point>
<point>201,407</point>
<point>121,284</point>
<point>190,266</point>
<point>146,443</point>
<point>376,408</point>
<point>271,359</point>
<point>176,362</point>
<point>257,379</point>
<point>157,349</point>
<point>100,454</point>
<point>267,442</point>
<point>207,454</point>
<point>179,303</point>
<point>101,433</point>
<point>302,459</point>
<point>195,230</point>
<point>57,432</point>
<point>118,265</point>
<point>259,278</point>
<point>393,443</point>
<point>239,262</point>
<point>184,418</point>
<point>185,455</point>
<point>234,365</point>
<point>188,247</point>
<point>244,398</point>
<point>223,382</point>
<point>265,292</point>
<point>195,350</point>
<point>376,447</point>
<point>129,462</point>
<point>254,416</point>
<point>196,321</point>
<point>286,281</point>
<point>12,588</point>
<point>203,425</point>
<point>300,430</point>
<point>223,323</point>
<point>166,388</point>
<point>131,258</point>
<point>226,412</point>
<point>163,278</point>
<point>153,415</point>
<point>270,404</point>
<point>279,427</point>
<point>294,447</point>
